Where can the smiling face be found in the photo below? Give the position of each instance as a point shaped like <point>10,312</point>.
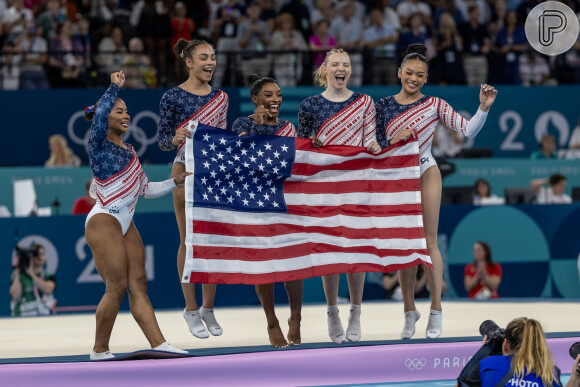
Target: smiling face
<point>270,96</point>
<point>337,70</point>
<point>413,75</point>
<point>119,117</point>
<point>202,62</point>
<point>479,253</point>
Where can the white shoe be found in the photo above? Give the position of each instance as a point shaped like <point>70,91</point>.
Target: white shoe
<point>166,347</point>
<point>195,325</point>
<point>410,320</point>
<point>101,355</point>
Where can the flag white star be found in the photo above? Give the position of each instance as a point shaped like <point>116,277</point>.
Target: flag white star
<point>268,146</point>
<point>218,182</point>
<point>209,189</point>
<point>231,183</point>
<point>237,170</point>
<point>206,137</point>
<point>284,148</point>
<point>220,155</point>
<point>206,164</point>
<point>224,190</point>
<point>230,199</point>
<point>266,197</point>
<point>246,186</point>
<point>212,146</point>
<point>260,153</point>
<point>252,145</point>
<point>260,203</point>
<point>275,204</point>
<point>255,180</point>
<point>229,149</point>
<point>239,143</point>
<point>276,154</point>
<point>259,188</point>
<point>252,195</point>
<point>238,193</point>
<point>252,159</point>
<point>213,159</point>
<point>222,141</point>
<point>228,175</point>
<point>217,198</point>
<point>241,178</point>
<point>266,174</point>
<point>204,152</point>
<point>213,174</point>
<point>205,197</point>
<point>230,162</point>
<point>222,168</point>
<point>236,157</point>
<point>245,202</point>
<point>275,170</point>
<point>204,180</point>
<point>273,189</point>
<point>252,172</point>
<point>261,167</point>
<point>269,161</point>
<point>283,163</point>
<point>244,152</point>
<point>246,164</point>
<point>269,183</point>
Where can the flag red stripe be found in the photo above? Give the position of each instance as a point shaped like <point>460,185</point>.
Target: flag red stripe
<point>385,186</point>
<point>316,271</point>
<point>305,144</point>
<point>286,252</point>
<point>355,210</point>
<point>357,164</point>
<point>243,230</point>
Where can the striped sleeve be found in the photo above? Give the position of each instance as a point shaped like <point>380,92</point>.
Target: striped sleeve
<point>369,122</point>
<point>455,121</point>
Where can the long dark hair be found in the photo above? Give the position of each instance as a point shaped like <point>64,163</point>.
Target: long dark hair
<point>487,249</point>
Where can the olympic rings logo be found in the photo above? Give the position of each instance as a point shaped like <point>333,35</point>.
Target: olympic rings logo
<point>415,364</point>
<point>137,132</point>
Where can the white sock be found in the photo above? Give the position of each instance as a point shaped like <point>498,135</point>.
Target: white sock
<point>435,324</point>
<point>335,329</point>
<point>166,347</point>
<point>411,318</point>
<point>195,325</point>
<point>101,355</point>
<point>353,331</point>
<point>211,323</point>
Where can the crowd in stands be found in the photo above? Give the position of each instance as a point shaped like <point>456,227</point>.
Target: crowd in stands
<point>75,43</point>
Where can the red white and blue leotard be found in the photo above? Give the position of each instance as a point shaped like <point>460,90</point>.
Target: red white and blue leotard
<point>119,178</point>
<point>351,122</point>
<point>179,107</point>
<point>246,124</point>
<point>423,117</point>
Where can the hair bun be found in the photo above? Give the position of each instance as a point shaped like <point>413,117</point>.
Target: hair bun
<point>251,79</point>
<point>416,49</point>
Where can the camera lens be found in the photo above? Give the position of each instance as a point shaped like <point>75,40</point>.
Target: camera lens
<point>575,350</point>
<point>487,328</point>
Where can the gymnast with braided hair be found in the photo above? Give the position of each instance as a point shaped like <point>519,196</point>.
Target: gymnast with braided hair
<point>110,232</point>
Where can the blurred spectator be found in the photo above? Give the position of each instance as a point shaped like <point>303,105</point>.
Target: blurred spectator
<point>267,13</point>
<point>139,73</point>
<point>83,36</point>
<point>568,64</point>
<point>51,18</point>
<point>301,16</point>
<point>547,148</point>
<point>510,43</point>
<point>15,20</point>
<point>66,59</point>
<point>552,190</point>
<point>348,32</point>
<point>325,10</point>
<point>225,34</point>
<point>417,33</point>
<point>483,194</point>
<point>534,69</point>
<point>476,45</point>
<point>448,64</point>
<point>213,6</point>
<point>84,204</point>
<point>155,29</point>
<point>31,287</point>
<point>391,16</point>
<point>575,137</point>
<point>393,288</point>
<point>34,51</point>
<point>321,43</point>
<point>253,41</point>
<point>409,7</point>
<point>524,9</point>
<point>360,10</point>
<point>111,51</point>
<point>447,6</point>
<point>446,142</point>
<point>482,277</point>
<point>287,66</point>
<point>183,27</point>
<point>60,153</point>
<point>380,41</point>
<point>498,14</point>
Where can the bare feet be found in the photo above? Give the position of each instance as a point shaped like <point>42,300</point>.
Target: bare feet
<point>277,337</point>
<point>294,330</point>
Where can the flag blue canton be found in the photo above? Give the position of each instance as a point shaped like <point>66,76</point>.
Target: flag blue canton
<point>244,173</point>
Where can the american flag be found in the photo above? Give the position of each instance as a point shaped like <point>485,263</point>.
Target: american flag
<point>263,209</point>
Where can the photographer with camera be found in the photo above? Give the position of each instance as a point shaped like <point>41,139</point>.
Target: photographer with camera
<point>515,356</point>
<point>31,286</point>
